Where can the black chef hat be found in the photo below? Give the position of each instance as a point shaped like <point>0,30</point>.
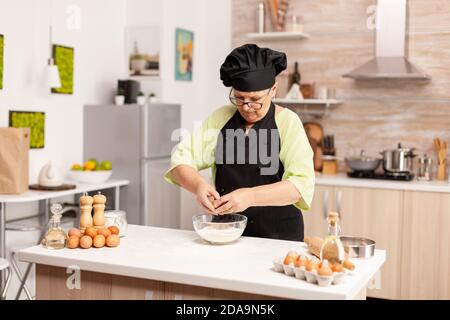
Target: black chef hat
<point>251,68</point>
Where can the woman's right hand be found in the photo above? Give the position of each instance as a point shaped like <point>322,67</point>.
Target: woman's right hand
<point>206,194</point>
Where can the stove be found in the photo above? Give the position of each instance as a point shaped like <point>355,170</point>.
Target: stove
<point>381,175</point>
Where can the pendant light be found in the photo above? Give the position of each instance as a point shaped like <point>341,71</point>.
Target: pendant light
<point>52,73</point>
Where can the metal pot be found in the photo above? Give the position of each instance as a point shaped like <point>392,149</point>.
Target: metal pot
<point>398,160</point>
<point>363,163</point>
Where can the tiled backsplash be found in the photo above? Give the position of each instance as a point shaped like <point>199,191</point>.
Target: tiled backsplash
<point>376,115</point>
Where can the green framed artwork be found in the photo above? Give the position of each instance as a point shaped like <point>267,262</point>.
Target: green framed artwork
<point>2,44</point>
<point>184,45</point>
<point>64,59</point>
<point>33,120</point>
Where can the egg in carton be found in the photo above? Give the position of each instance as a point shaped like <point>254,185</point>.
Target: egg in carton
<point>312,270</point>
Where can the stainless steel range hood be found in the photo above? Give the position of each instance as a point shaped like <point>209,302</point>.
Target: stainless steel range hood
<point>390,61</point>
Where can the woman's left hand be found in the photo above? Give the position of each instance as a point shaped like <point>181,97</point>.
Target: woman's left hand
<point>237,201</point>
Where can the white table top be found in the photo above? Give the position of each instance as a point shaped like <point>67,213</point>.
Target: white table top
<point>182,257</point>
<point>343,180</point>
<point>34,195</point>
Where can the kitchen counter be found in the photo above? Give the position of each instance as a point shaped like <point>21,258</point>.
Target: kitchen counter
<point>342,180</point>
<point>171,256</point>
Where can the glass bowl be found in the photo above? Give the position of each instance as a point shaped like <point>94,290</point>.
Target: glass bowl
<point>220,229</point>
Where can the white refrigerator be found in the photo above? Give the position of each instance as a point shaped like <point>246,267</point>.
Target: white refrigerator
<point>138,140</point>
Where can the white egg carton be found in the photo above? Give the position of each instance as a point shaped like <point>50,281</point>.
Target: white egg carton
<point>310,276</point>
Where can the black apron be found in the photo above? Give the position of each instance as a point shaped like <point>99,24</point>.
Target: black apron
<point>275,222</point>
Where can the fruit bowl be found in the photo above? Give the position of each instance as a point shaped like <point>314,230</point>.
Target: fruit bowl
<point>90,176</point>
<point>220,229</point>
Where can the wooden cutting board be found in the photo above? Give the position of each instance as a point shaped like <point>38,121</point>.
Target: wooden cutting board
<point>58,188</point>
<point>315,134</point>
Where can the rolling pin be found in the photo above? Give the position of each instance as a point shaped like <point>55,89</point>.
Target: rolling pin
<point>315,245</point>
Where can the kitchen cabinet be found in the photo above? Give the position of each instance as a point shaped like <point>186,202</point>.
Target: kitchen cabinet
<point>426,246</point>
<point>375,214</point>
<point>315,219</point>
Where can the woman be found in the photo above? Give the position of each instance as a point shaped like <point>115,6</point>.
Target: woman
<point>260,157</point>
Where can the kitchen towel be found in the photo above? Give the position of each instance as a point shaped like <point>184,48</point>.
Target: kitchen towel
<point>14,148</point>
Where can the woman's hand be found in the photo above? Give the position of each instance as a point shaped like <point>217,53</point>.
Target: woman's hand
<point>206,195</point>
<point>237,201</point>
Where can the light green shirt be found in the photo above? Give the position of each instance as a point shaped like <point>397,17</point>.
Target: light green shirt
<point>197,150</point>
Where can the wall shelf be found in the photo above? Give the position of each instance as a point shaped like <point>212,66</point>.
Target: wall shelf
<point>279,36</point>
<point>326,102</point>
<point>313,107</point>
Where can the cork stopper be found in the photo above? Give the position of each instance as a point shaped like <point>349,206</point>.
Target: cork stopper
<point>333,217</point>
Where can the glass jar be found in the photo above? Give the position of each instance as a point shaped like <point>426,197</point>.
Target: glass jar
<point>117,218</point>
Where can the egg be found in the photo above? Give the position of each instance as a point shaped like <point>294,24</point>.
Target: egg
<point>325,269</point>
<point>300,262</point>
<point>290,258</point>
<point>337,267</point>
<point>105,232</point>
<point>99,241</point>
<point>113,240</point>
<point>73,242</point>
<point>85,242</point>
<point>312,265</point>
<point>91,232</point>
<point>114,230</point>
<point>75,232</point>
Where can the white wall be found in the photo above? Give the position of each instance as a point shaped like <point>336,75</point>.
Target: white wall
<point>210,20</point>
<point>99,57</point>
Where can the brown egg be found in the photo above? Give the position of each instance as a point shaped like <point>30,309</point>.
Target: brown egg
<point>99,241</point>
<point>312,265</point>
<point>114,230</point>
<point>113,240</point>
<point>75,232</point>
<point>85,242</point>
<point>325,269</point>
<point>105,232</point>
<point>301,262</point>
<point>73,242</point>
<point>337,267</point>
<point>91,232</point>
<point>290,258</point>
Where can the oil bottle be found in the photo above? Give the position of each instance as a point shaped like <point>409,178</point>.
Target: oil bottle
<point>332,248</point>
<point>56,237</point>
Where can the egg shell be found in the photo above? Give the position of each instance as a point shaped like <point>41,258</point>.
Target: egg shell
<point>91,232</point>
<point>99,241</point>
<point>85,242</point>
<point>114,229</point>
<point>312,265</point>
<point>337,267</point>
<point>75,232</point>
<point>73,242</point>
<point>301,261</point>
<point>105,232</point>
<point>113,240</point>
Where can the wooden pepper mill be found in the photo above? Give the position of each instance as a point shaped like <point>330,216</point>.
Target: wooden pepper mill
<point>99,211</point>
<point>86,212</point>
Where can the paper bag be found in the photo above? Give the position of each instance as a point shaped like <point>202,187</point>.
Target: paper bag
<point>14,147</point>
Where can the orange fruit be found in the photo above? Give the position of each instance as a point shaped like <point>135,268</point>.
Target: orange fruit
<point>89,165</point>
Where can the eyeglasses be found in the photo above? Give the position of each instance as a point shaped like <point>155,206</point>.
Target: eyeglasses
<point>251,104</point>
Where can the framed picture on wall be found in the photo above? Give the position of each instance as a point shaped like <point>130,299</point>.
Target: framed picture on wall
<point>142,45</point>
<point>2,44</point>
<point>184,46</point>
<point>33,120</point>
<point>64,59</point>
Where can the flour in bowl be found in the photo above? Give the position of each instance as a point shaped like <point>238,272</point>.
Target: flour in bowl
<point>220,235</point>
